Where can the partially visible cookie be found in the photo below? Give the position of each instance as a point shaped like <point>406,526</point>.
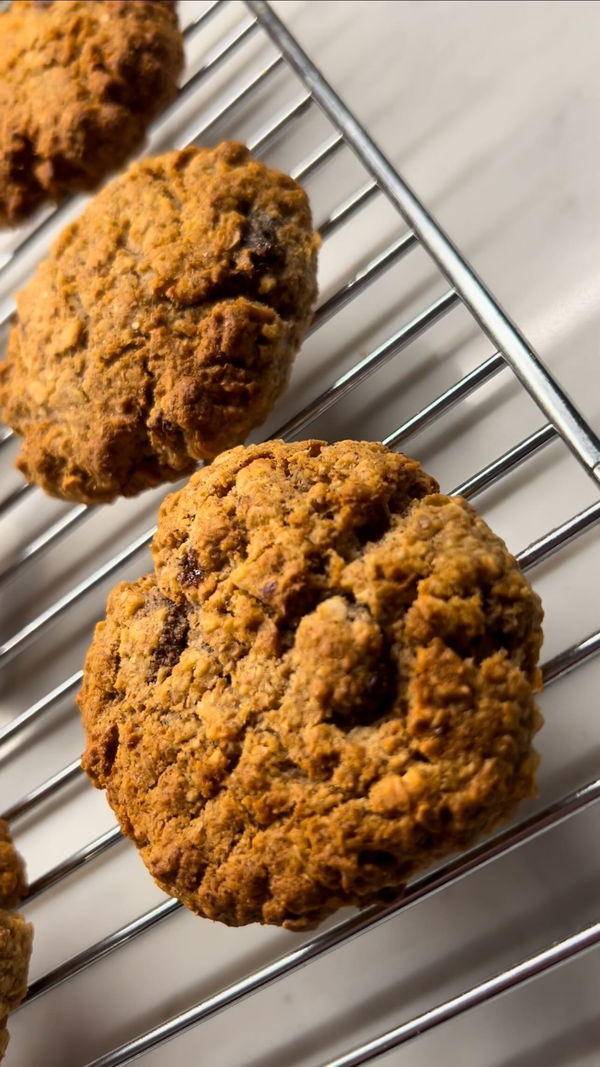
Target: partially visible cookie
<point>79,84</point>
<point>13,884</point>
<point>326,684</point>
<point>16,934</point>
<point>163,325</point>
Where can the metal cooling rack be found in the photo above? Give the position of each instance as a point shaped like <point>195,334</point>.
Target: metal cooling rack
<point>373,181</point>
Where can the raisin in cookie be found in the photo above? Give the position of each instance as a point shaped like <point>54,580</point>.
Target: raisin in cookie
<point>327,683</point>
<point>163,325</point>
<point>15,933</point>
<point>79,84</point>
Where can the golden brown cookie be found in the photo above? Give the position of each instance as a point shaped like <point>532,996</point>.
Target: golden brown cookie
<point>16,934</point>
<point>16,937</point>
<point>79,84</point>
<point>163,325</point>
<point>326,684</point>
<point>12,873</point>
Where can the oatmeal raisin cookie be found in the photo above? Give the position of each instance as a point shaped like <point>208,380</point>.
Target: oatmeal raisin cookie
<point>15,934</point>
<point>163,325</point>
<point>326,684</point>
<point>79,84</point>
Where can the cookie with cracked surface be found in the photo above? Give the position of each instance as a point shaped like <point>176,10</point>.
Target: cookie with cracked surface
<point>163,325</point>
<point>16,934</point>
<point>79,84</point>
<point>326,683</point>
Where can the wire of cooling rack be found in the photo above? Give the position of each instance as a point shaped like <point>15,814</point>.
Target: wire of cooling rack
<point>565,424</point>
<point>493,320</point>
<point>501,983</point>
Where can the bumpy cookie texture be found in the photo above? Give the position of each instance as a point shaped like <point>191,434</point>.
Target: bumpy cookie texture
<point>16,937</point>
<point>13,884</point>
<point>79,84</point>
<point>15,933</point>
<point>327,683</point>
<point>163,326</point>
